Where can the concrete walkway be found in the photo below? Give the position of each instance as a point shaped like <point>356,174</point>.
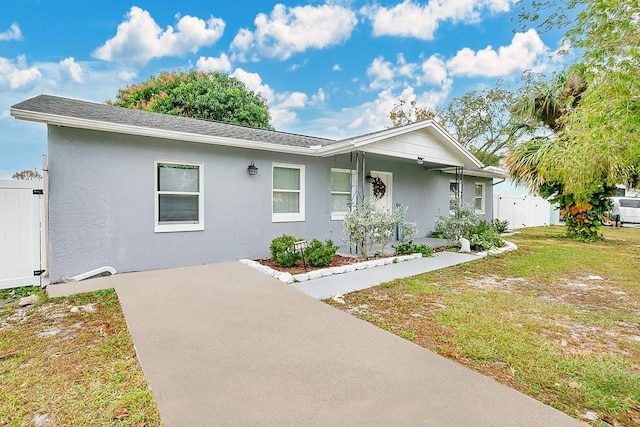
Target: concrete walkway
<point>329,286</point>
<point>224,344</point>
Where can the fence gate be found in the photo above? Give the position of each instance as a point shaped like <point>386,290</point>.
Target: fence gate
<point>23,242</point>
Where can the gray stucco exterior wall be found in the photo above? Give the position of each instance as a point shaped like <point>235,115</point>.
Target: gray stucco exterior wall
<point>101,212</point>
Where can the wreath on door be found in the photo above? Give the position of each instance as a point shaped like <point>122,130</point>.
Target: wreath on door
<point>379,189</point>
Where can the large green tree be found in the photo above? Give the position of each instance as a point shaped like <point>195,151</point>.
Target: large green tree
<point>600,138</point>
<point>202,95</point>
<point>541,113</point>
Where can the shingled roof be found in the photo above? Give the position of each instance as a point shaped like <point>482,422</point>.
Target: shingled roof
<point>58,107</point>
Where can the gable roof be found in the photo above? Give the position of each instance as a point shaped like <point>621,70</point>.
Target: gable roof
<point>74,113</point>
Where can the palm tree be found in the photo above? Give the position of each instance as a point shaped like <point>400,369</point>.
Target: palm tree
<point>541,113</point>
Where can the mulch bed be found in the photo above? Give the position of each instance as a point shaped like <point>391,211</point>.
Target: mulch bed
<point>338,260</point>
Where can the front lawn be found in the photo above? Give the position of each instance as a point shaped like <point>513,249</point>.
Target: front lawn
<point>558,320</point>
<point>70,362</point>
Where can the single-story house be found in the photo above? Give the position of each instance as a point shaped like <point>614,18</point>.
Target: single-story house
<point>137,190</point>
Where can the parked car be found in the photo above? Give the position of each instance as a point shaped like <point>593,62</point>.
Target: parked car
<point>629,209</point>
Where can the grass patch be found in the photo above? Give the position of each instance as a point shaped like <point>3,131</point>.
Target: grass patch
<point>557,319</point>
<point>61,365</point>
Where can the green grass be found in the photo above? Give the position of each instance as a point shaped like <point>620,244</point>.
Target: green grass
<point>557,319</point>
<point>70,368</point>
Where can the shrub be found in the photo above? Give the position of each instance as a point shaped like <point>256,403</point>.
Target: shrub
<point>501,226</point>
<point>283,252</point>
<point>485,236</point>
<point>407,248</point>
<point>458,224</point>
<point>368,224</point>
<point>320,254</point>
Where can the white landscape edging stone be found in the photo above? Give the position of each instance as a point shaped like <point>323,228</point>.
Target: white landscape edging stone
<point>316,274</point>
<point>507,247</point>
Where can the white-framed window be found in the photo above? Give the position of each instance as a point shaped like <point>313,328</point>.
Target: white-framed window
<point>342,194</point>
<point>478,196</point>
<point>454,194</point>
<point>179,196</point>
<point>287,193</point>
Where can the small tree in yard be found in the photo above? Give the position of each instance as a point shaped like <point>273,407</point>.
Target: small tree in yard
<point>369,224</point>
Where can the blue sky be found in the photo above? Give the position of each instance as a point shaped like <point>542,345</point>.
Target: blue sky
<point>327,68</point>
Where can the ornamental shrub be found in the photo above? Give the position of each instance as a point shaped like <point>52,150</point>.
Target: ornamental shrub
<point>484,236</point>
<point>501,226</point>
<point>408,248</point>
<point>369,224</point>
<point>456,225</point>
<point>320,254</point>
<point>283,252</point>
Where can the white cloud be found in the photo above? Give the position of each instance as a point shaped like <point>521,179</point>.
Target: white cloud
<point>318,98</point>
<point>336,67</point>
<point>127,76</point>
<point>253,81</point>
<point>292,100</point>
<point>287,31</point>
<point>386,75</point>
<point>411,19</point>
<point>17,74</point>
<point>524,53</point>
<point>72,69</point>
<point>139,39</point>
<point>13,33</point>
<point>380,73</point>
<point>281,117</point>
<point>434,71</point>
<point>373,116</point>
<point>210,63</point>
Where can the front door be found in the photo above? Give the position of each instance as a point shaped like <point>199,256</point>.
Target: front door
<point>381,189</point>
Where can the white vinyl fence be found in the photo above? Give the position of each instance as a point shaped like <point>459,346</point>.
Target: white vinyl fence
<point>523,211</point>
<point>22,233</point>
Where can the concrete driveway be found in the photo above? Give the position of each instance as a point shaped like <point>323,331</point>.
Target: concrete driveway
<point>224,344</point>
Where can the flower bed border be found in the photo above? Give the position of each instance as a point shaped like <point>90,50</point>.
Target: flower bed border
<point>316,274</point>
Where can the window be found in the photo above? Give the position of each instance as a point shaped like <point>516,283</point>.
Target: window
<point>454,194</point>
<point>288,193</point>
<point>341,194</point>
<point>179,198</point>
<point>478,197</point>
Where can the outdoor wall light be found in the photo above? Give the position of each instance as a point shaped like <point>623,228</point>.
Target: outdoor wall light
<point>368,178</point>
<point>252,169</point>
<point>420,160</point>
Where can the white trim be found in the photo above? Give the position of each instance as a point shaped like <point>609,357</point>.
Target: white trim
<point>73,122</point>
<point>341,147</point>
<point>483,197</point>
<point>289,217</point>
<point>339,216</point>
<point>169,228</point>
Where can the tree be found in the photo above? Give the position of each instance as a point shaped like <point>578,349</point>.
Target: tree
<point>202,95</point>
<point>541,113</point>
<point>27,175</point>
<point>601,137</point>
<point>404,113</point>
<point>478,121</point>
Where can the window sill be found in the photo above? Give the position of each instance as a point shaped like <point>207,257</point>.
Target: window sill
<point>338,216</point>
<point>176,228</point>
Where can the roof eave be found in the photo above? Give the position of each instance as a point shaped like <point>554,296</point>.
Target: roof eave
<point>90,124</point>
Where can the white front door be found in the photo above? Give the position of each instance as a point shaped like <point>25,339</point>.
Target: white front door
<point>382,193</point>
